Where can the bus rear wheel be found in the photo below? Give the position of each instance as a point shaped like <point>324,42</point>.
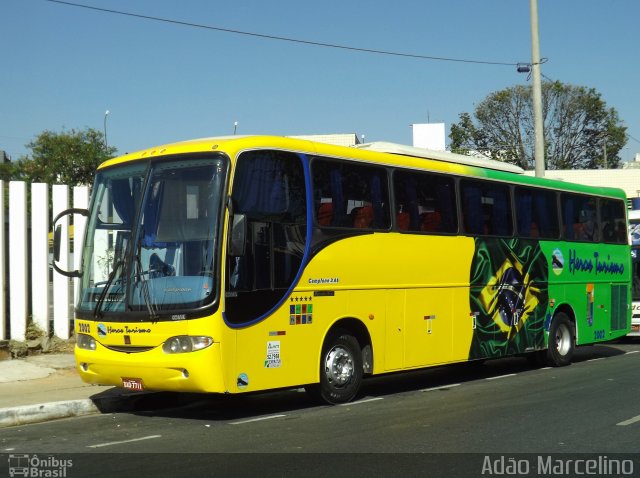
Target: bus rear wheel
<point>341,369</point>
<point>561,341</point>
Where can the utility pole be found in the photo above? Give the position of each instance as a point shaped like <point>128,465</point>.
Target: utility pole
<point>538,124</point>
<point>106,144</point>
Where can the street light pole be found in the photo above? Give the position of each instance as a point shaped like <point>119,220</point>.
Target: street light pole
<point>106,144</point>
<point>538,124</point>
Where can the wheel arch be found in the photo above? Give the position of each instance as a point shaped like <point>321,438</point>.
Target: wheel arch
<point>561,338</point>
<point>567,310</point>
<point>356,328</point>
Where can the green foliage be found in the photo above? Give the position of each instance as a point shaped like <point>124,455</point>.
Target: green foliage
<point>6,171</point>
<point>63,158</point>
<point>580,132</point>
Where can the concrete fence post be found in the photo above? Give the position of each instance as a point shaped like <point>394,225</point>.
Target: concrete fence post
<point>3,283</point>
<point>60,196</point>
<point>18,259</point>
<point>80,201</point>
<point>40,255</point>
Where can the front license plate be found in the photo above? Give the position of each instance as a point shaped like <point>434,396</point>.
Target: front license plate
<point>132,384</point>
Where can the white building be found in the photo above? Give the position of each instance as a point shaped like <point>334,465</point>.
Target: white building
<point>627,178</point>
<point>429,136</point>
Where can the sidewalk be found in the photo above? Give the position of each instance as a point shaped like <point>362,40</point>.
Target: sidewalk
<point>46,387</point>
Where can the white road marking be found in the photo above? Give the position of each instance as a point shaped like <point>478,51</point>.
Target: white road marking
<point>100,445</point>
<point>631,421</point>
<point>596,359</point>
<point>260,419</point>
<point>502,376</point>
<point>442,387</point>
<point>360,401</point>
<point>633,352</point>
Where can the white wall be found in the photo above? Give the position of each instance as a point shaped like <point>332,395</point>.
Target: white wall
<point>28,296</point>
<point>627,179</point>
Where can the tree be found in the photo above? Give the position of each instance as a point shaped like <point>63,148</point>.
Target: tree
<point>580,132</point>
<point>7,171</point>
<point>64,158</point>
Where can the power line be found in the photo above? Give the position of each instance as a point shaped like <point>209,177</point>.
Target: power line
<point>279,38</point>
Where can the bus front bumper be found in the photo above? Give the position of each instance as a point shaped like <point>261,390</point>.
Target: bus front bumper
<point>199,371</point>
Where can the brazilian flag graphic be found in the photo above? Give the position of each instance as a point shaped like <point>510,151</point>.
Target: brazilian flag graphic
<point>508,296</point>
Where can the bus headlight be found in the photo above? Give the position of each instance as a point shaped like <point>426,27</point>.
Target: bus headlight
<point>86,342</point>
<point>186,343</point>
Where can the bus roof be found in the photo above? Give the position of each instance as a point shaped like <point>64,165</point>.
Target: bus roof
<point>379,152</point>
<point>404,150</point>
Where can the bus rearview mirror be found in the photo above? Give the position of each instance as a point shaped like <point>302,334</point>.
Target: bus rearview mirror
<point>238,241</point>
<point>57,234</point>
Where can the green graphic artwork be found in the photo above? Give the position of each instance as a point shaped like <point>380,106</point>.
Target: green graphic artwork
<point>509,297</point>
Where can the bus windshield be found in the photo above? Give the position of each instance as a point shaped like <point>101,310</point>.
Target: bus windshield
<point>152,238</point>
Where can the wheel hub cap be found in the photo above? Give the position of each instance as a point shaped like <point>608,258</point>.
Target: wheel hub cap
<point>563,340</point>
<point>339,366</point>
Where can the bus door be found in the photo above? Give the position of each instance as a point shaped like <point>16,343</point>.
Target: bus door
<point>269,195</point>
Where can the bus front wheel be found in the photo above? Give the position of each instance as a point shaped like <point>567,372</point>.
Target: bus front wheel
<point>341,369</point>
<point>561,341</point>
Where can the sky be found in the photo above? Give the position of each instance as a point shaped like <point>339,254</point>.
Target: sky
<point>64,66</point>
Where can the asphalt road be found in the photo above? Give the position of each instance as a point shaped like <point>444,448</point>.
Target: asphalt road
<point>453,416</point>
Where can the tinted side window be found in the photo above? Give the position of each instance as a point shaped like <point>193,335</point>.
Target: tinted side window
<point>486,208</point>
<point>425,202</point>
<point>579,218</point>
<point>269,189</point>
<point>613,225</point>
<point>350,195</point>
<point>537,213</point>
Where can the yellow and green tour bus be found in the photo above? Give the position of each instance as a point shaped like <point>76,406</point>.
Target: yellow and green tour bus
<point>240,264</point>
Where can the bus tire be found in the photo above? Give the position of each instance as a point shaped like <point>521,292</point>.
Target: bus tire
<point>561,341</point>
<point>341,369</point>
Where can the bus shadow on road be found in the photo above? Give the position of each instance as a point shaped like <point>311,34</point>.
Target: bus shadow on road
<point>445,376</point>
<point>591,352</point>
<point>207,407</point>
<point>441,377</point>
<point>223,408</point>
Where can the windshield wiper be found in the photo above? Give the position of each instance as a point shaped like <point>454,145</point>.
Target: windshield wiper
<point>97,312</point>
<point>144,285</point>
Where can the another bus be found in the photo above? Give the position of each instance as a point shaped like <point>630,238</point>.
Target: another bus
<point>241,264</point>
<point>634,237</point>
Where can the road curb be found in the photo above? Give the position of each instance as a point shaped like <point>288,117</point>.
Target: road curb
<point>41,412</point>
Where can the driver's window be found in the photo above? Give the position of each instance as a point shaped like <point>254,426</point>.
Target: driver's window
<point>269,189</point>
